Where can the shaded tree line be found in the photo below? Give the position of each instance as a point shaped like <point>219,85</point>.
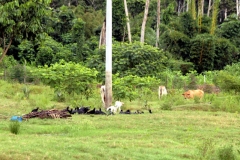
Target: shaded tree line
<point>199,35</point>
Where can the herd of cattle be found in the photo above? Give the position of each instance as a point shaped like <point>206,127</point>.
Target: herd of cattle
<point>162,91</point>
<point>116,108</point>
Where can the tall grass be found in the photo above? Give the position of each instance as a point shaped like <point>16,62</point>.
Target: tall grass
<point>14,127</point>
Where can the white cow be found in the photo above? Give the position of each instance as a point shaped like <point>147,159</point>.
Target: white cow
<point>118,104</point>
<point>162,91</point>
<point>117,107</point>
<point>103,93</point>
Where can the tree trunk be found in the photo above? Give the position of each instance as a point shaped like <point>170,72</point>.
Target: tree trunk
<point>102,40</point>
<point>128,23</point>
<point>144,21</point>
<point>193,9</point>
<point>237,8</point>
<point>200,13</point>
<point>187,5</point>
<point>179,8</point>
<point>225,13</point>
<point>158,21</point>
<point>5,48</point>
<point>209,7</point>
<point>214,17</point>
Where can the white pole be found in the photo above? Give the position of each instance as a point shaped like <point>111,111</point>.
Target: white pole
<point>108,76</point>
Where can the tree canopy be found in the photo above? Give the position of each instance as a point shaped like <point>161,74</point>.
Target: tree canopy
<point>192,35</point>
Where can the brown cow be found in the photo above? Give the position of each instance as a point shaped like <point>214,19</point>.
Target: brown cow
<point>190,94</point>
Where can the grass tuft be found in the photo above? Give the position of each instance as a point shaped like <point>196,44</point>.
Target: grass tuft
<point>14,127</point>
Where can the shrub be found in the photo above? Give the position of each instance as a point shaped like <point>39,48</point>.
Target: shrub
<point>70,78</point>
<point>14,127</point>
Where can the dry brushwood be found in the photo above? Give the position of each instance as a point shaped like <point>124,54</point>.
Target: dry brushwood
<point>53,113</point>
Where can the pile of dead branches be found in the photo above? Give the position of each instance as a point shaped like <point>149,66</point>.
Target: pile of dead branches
<point>53,113</point>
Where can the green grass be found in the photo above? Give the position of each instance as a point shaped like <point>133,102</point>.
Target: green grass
<point>191,130</point>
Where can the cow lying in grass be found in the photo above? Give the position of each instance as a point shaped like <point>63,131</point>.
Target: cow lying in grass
<point>191,94</point>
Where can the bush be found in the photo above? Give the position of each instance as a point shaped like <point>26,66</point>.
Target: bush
<point>68,78</point>
<point>14,127</point>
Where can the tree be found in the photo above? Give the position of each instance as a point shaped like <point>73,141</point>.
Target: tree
<point>238,8</point>
<point>193,9</point>
<point>200,14</point>
<point>158,20</point>
<point>214,16</point>
<point>209,7</point>
<point>202,52</point>
<point>20,20</point>
<point>144,21</point>
<point>102,39</point>
<point>131,59</point>
<point>78,35</point>
<point>128,23</point>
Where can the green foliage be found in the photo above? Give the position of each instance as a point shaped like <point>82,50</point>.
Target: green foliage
<point>167,14</point>
<point>132,87</point>
<point>78,35</point>
<point>26,51</point>
<point>118,19</point>
<point>227,81</point>
<point>93,21</point>
<point>51,51</point>
<point>172,79</point>
<point>188,24</point>
<point>231,31</point>
<point>62,22</point>
<point>131,59</point>
<point>8,62</point>
<point>226,53</point>
<point>192,81</point>
<point>233,69</point>
<point>226,104</point>
<point>176,43</point>
<point>202,52</point>
<point>135,7</point>
<point>150,36</point>
<point>19,73</point>
<point>21,19</point>
<point>14,127</point>
<point>68,78</point>
<point>214,16</point>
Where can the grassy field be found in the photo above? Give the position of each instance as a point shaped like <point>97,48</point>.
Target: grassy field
<point>189,130</point>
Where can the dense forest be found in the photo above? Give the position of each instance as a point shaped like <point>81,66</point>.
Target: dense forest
<point>148,36</point>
